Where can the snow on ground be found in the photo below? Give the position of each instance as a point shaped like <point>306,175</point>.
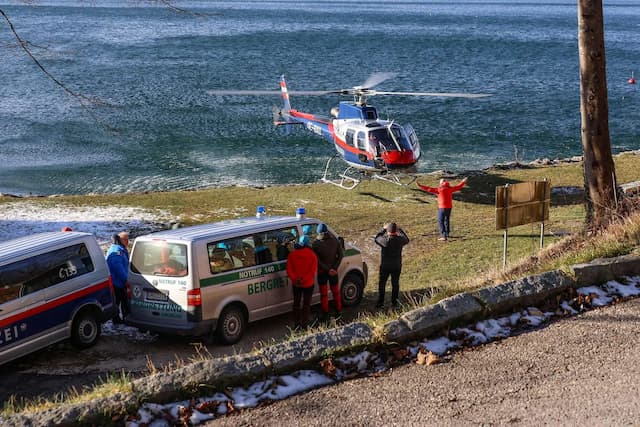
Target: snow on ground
<point>134,334</point>
<point>23,218</point>
<point>367,363</point>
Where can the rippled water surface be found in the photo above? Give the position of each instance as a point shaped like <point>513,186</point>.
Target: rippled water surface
<point>158,129</point>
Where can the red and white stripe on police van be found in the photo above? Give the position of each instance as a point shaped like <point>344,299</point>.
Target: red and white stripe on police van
<point>51,313</point>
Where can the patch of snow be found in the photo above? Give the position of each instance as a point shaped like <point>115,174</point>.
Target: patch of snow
<point>567,308</point>
<point>601,298</point>
<point>470,337</point>
<point>109,328</point>
<point>567,191</point>
<point>617,288</point>
<point>440,345</point>
<point>23,218</point>
<point>493,329</point>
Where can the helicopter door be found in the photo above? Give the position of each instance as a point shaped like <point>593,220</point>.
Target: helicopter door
<point>413,139</point>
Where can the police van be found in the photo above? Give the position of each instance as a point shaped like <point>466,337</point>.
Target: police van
<point>212,279</point>
<point>53,286</point>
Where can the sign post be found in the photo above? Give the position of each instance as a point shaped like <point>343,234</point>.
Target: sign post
<point>522,203</point>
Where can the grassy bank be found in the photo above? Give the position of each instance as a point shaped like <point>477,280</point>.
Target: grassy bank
<point>473,255</point>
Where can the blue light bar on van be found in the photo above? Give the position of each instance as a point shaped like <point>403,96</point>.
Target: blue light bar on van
<point>261,211</point>
<point>300,213</point>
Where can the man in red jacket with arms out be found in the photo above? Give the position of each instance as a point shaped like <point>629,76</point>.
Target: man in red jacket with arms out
<point>445,202</point>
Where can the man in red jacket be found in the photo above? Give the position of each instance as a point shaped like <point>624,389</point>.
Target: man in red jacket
<point>445,202</point>
<point>302,267</point>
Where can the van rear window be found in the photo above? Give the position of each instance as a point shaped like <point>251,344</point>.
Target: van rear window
<point>160,258</point>
<point>41,271</point>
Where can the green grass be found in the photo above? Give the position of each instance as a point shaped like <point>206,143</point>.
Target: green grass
<point>110,385</point>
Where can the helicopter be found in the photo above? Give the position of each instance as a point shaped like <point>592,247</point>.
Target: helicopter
<point>370,146</point>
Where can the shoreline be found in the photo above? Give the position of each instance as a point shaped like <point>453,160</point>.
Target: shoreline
<point>539,162</point>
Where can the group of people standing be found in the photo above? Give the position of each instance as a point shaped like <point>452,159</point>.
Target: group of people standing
<point>321,260</point>
<point>392,239</point>
<point>309,262</point>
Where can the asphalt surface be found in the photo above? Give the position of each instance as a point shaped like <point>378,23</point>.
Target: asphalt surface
<point>583,370</point>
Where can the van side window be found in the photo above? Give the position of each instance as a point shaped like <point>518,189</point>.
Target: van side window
<point>310,230</point>
<point>44,270</point>
<point>220,259</point>
<point>284,240</point>
<point>261,248</point>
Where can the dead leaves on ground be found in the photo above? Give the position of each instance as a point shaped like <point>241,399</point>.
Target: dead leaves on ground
<point>328,368</point>
<point>426,357</point>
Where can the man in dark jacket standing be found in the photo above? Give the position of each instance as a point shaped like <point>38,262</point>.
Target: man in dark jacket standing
<point>330,253</point>
<point>391,240</point>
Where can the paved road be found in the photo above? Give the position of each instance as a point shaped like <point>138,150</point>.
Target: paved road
<point>584,370</point>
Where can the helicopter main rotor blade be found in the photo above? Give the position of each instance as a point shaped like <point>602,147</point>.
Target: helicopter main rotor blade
<point>375,79</point>
<point>268,92</point>
<point>441,94</point>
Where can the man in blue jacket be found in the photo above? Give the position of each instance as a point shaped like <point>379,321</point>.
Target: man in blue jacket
<point>118,262</point>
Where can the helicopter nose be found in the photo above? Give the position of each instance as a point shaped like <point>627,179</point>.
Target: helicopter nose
<point>399,158</point>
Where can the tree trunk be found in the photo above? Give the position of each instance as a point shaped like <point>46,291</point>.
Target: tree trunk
<point>599,169</point>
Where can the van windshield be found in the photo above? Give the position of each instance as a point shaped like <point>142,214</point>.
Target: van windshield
<point>160,258</point>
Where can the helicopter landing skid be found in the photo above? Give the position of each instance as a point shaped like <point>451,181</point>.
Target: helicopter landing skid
<point>398,179</point>
<point>344,180</point>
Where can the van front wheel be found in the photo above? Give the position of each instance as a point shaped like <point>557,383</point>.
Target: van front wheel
<point>352,290</point>
<point>85,330</point>
<point>231,325</point>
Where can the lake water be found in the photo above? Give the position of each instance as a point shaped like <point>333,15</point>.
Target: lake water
<point>158,129</point>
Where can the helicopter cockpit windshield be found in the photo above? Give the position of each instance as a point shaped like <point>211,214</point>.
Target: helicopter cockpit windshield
<point>390,138</point>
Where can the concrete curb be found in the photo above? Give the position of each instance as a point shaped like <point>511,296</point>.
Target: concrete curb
<point>207,376</point>
<point>604,269</point>
<point>523,292</point>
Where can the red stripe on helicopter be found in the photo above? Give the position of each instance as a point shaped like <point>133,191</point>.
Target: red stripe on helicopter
<point>54,303</point>
<point>312,117</point>
<point>349,148</point>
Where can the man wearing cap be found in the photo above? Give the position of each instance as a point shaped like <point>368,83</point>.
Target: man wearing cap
<point>391,240</point>
<point>118,263</point>
<point>302,266</point>
<point>330,253</point>
<point>445,202</point>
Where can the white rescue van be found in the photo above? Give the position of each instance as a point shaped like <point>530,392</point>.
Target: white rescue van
<point>213,279</point>
<point>53,286</point>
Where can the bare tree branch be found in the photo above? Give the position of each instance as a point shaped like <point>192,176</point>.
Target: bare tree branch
<point>84,100</point>
<point>24,45</point>
<point>168,4</point>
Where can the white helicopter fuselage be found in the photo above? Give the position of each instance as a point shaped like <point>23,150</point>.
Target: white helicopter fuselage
<point>361,139</point>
